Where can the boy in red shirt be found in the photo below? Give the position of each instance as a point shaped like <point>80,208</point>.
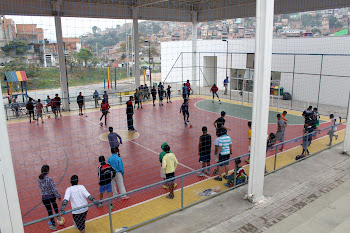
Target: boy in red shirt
<point>215,89</point>
<point>104,109</point>
<point>53,107</point>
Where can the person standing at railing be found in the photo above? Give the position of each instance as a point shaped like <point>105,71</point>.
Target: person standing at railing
<point>95,96</point>
<point>224,151</point>
<point>77,195</point>
<point>204,151</point>
<point>58,105</point>
<point>281,127</point>
<point>105,175</point>
<point>226,81</point>
<point>169,164</point>
<point>80,102</point>
<point>249,140</point>
<point>49,193</point>
<point>117,163</point>
<point>333,128</point>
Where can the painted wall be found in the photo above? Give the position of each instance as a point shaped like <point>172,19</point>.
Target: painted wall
<point>334,90</point>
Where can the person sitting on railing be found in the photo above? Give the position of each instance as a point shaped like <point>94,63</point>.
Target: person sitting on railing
<point>77,195</point>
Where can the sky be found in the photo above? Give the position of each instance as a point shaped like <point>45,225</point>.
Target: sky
<point>71,27</point>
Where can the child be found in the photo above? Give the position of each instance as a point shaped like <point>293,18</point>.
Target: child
<point>224,151</point>
<point>80,102</point>
<point>105,175</point>
<point>220,122</point>
<point>169,164</point>
<point>104,109</point>
<point>215,89</point>
<point>96,97</point>
<point>48,103</point>
<point>283,117</point>
<point>30,109</point>
<point>168,93</point>
<point>161,96</point>
<point>216,145</point>
<point>58,105</point>
<point>78,194</point>
<point>307,138</point>
<point>53,107</point>
<point>316,119</point>
<point>333,129</point>
<point>39,112</point>
<point>117,163</point>
<point>271,139</point>
<point>154,95</point>
<point>49,193</point>
<point>249,139</point>
<point>161,155</point>
<point>281,127</point>
<point>184,110</point>
<point>239,172</point>
<point>204,148</point>
<point>137,95</point>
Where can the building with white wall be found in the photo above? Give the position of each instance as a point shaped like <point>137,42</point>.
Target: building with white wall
<point>312,69</point>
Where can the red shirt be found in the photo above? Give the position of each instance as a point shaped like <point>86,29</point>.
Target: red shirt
<point>214,89</point>
<point>53,103</point>
<point>104,107</point>
<point>188,85</point>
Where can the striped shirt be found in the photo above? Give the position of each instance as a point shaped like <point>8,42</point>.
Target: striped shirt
<point>225,142</point>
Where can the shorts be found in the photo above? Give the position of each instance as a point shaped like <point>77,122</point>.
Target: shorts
<point>39,114</point>
<point>280,136</point>
<point>185,113</point>
<point>161,98</point>
<point>214,93</point>
<point>331,132</point>
<point>204,157</point>
<point>58,108</point>
<point>137,101</point>
<point>154,97</point>
<point>223,158</point>
<point>170,176</point>
<point>53,109</point>
<point>31,112</point>
<point>184,96</point>
<point>80,106</point>
<point>79,220</point>
<point>106,187</point>
<point>104,112</point>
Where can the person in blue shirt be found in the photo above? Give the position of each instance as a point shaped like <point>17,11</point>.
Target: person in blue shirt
<point>184,91</point>
<point>96,96</point>
<point>226,81</point>
<point>116,162</point>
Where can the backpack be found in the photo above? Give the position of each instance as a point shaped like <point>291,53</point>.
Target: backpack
<point>287,96</point>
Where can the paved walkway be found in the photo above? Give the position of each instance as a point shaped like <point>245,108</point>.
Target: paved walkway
<point>287,192</point>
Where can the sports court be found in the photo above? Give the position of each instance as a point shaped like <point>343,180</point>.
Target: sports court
<point>72,145</point>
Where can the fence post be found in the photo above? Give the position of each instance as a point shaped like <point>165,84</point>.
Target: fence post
<point>319,83</point>
<point>291,102</point>
<point>110,216</point>
<point>182,192</point>
<point>274,166</point>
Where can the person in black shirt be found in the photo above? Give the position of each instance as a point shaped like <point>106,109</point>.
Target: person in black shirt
<point>184,110</point>
<point>154,94</point>
<point>130,114</point>
<point>80,102</point>
<point>105,175</point>
<point>58,104</point>
<point>168,93</point>
<point>161,96</point>
<point>30,109</point>
<point>220,122</point>
<point>204,148</point>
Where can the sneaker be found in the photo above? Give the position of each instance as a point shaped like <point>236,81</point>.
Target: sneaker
<point>154,105</point>
<point>281,149</point>
<point>336,137</point>
<point>125,197</point>
<point>52,227</point>
<point>225,177</point>
<point>170,197</point>
<point>42,122</point>
<point>218,178</point>
<point>213,101</point>
<point>112,206</point>
<point>247,161</point>
<point>165,187</point>
<point>220,101</point>
<point>185,123</point>
<point>141,107</point>
<point>200,174</point>
<point>216,172</point>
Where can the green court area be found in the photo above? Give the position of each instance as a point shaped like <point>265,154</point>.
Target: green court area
<point>244,112</point>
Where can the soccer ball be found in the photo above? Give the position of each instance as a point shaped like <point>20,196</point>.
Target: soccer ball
<point>101,124</point>
<point>61,221</point>
<point>48,116</point>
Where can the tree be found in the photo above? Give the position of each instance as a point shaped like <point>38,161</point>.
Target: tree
<point>156,28</point>
<point>306,19</point>
<point>20,47</point>
<point>316,30</point>
<point>334,23</point>
<point>94,29</point>
<point>84,55</point>
<point>123,56</point>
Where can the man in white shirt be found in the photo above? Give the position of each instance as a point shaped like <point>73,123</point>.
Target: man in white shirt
<point>77,195</point>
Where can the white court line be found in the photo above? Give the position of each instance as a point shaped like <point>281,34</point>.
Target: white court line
<point>141,145</point>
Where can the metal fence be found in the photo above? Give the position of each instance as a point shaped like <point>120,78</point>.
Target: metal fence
<point>114,220</point>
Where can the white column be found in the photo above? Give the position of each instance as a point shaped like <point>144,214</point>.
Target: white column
<point>262,74</point>
<point>10,212</point>
<point>136,47</point>
<point>194,49</point>
<point>346,144</point>
<point>62,63</point>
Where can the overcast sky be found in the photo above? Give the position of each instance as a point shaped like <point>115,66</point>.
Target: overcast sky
<point>71,27</point>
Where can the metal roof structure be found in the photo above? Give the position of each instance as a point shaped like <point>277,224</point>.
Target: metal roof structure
<point>162,10</point>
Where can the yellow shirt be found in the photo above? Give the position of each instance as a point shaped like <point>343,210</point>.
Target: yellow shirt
<point>250,135</point>
<point>169,163</point>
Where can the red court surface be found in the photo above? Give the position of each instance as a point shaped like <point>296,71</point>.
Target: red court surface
<point>71,145</point>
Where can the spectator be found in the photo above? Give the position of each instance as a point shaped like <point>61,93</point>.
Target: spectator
<point>77,195</point>
<point>204,148</point>
<point>226,81</point>
<point>117,163</point>
<point>224,151</point>
<point>169,164</point>
<point>58,105</point>
<point>95,96</point>
<point>80,102</point>
<point>105,175</point>
<point>48,103</point>
<point>30,109</point>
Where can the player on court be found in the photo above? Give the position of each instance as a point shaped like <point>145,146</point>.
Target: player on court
<point>214,89</point>
<point>184,110</point>
<point>220,122</point>
<point>39,112</point>
<point>333,129</point>
<point>154,95</point>
<point>104,109</point>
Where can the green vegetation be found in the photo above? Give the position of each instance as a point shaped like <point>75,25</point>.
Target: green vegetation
<point>19,46</point>
<point>46,78</point>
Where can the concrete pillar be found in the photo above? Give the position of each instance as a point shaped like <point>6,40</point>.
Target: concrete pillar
<point>262,74</point>
<point>346,144</point>
<point>136,46</point>
<point>194,49</point>
<point>10,212</point>
<point>62,64</point>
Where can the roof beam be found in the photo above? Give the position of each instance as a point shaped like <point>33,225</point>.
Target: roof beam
<point>152,3</point>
